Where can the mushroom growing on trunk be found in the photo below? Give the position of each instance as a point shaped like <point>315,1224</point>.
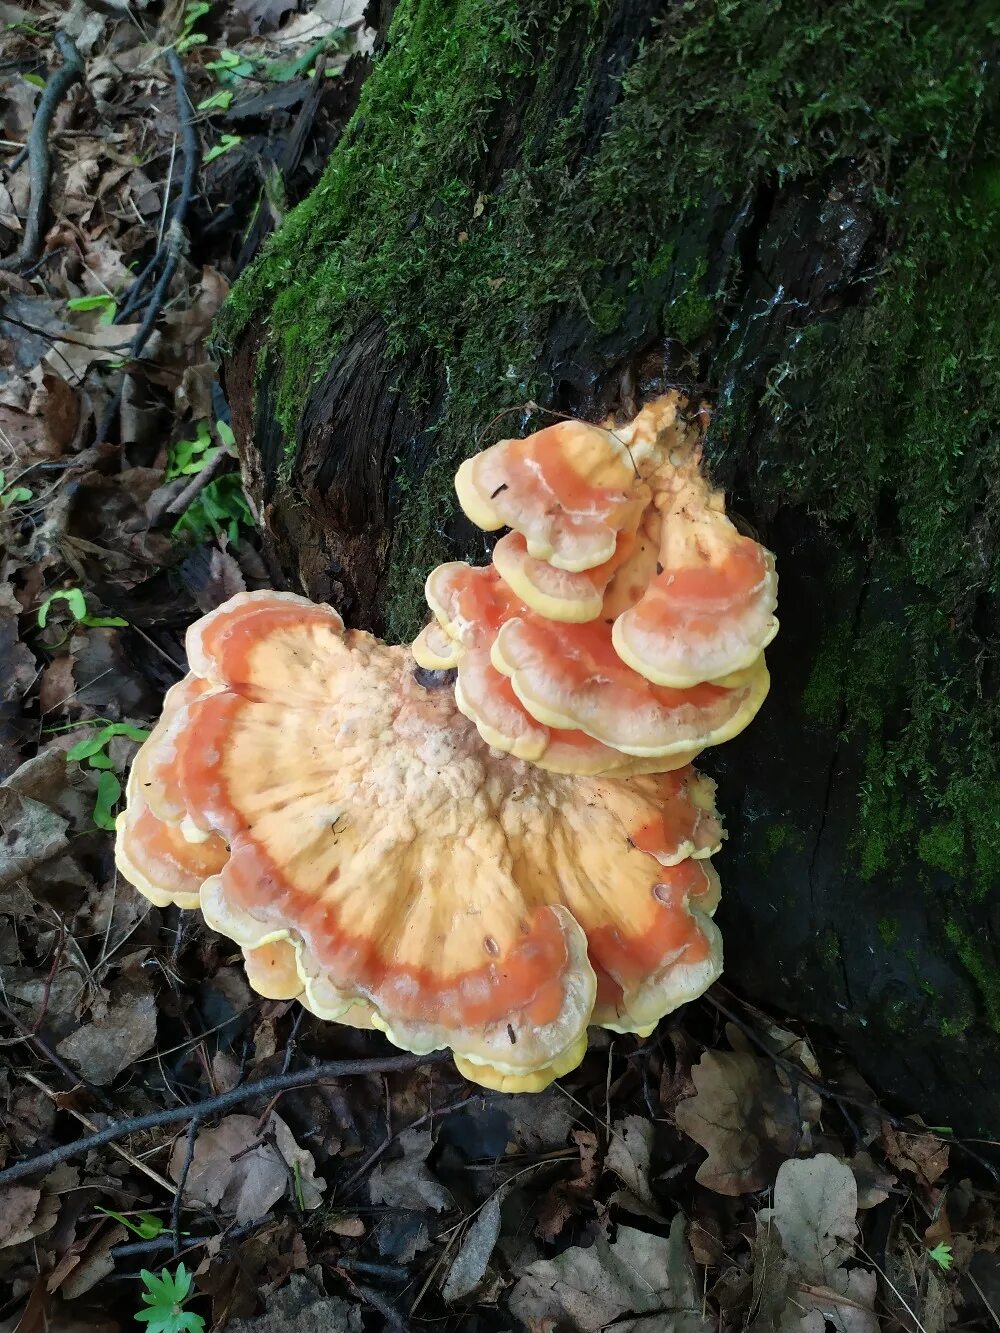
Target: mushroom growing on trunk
<point>490,867</point>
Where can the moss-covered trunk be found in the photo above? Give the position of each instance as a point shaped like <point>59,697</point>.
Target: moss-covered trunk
<point>789,205</point>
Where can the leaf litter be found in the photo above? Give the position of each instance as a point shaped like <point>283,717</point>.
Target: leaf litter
<point>733,1177</point>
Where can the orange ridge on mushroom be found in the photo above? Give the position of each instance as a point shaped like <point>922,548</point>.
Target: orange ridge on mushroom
<point>332,812</point>
<point>619,523</point>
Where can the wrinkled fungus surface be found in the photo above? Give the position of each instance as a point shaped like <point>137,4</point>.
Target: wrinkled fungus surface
<point>624,612</point>
<point>353,833</point>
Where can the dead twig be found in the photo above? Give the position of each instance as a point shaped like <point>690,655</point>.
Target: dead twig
<point>178,1115</point>
<point>198,482</point>
<point>47,1053</point>
<point>40,154</point>
<point>87,1123</point>
<point>175,1210</point>
<point>167,255</point>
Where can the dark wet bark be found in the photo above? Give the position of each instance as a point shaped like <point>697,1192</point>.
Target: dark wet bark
<point>875,946</point>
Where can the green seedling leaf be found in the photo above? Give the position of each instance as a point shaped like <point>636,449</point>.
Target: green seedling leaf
<point>225,434</point>
<point>227,142</point>
<point>107,305</point>
<point>190,456</point>
<point>225,60</point>
<point>192,39</point>
<point>942,1256</point>
<point>220,101</point>
<point>74,599</point>
<point>15,496</point>
<point>220,508</point>
<point>147,1227</point>
<point>109,791</point>
<point>165,1295</point>
<point>92,745</point>
<point>104,622</point>
<point>35,80</point>
<point>100,761</point>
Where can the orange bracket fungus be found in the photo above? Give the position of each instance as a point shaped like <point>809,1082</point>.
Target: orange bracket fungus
<point>494,838</point>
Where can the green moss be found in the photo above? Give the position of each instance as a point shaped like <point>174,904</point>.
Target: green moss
<point>830,948</point>
<point>943,846</point>
<point>983,971</point>
<point>778,836</point>
<point>884,410</point>
<point>823,696</point>
<point>888,929</point>
<point>691,315</point>
<point>607,312</point>
<point>956,1025</point>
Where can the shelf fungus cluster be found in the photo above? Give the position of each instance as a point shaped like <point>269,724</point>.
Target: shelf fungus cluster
<point>494,838</point>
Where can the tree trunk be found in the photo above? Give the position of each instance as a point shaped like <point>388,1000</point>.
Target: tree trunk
<point>786,205</point>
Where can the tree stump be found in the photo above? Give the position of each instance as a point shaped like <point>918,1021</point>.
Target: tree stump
<point>789,207</point>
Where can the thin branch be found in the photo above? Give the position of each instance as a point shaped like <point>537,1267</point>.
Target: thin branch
<point>168,254</point>
<point>87,1123</point>
<point>40,155</point>
<point>178,1115</point>
<point>175,1210</point>
<point>47,1053</point>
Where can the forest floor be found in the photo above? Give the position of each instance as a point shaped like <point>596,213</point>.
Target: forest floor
<point>726,1173</point>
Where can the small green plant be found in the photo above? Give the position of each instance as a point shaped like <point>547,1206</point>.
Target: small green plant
<point>229,65</point>
<point>942,1256</point>
<point>187,457</point>
<point>226,142</point>
<point>94,751</point>
<point>148,1226</point>
<point>218,510</point>
<point>10,494</point>
<point>193,11</point>
<point>76,603</point>
<point>35,80</point>
<point>220,101</point>
<point>165,1295</point>
<point>103,302</point>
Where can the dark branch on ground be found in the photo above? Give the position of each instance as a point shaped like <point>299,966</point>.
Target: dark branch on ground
<point>168,252</point>
<point>178,1115</point>
<point>40,154</point>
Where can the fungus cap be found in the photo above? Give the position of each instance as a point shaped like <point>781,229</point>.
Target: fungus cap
<point>618,523</point>
<point>569,490</point>
<point>708,610</point>
<point>385,865</point>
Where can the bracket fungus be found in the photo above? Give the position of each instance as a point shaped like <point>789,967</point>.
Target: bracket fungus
<point>495,866</point>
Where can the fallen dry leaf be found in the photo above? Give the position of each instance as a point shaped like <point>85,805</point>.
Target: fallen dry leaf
<point>478,1243</point>
<point>748,1118</point>
<point>300,1307</point>
<point>60,413</point>
<point>31,832</point>
<point>815,1210</point>
<point>874,1183</point>
<point>923,1155</point>
<point>409,1182</point>
<point>17,672</point>
<point>586,1289</point>
<point>567,1197</point>
<point>237,1171</point>
<point>815,1214</point>
<point>629,1154</point>
<point>18,1206</point>
<point>104,1047</point>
